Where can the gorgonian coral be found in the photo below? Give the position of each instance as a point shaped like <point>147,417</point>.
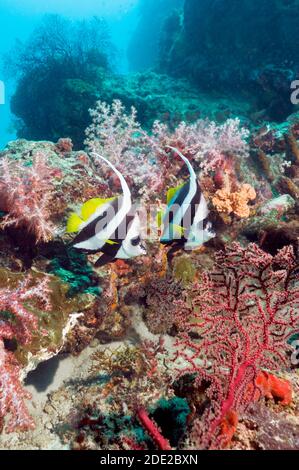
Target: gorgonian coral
<point>245,311</point>
<point>17,322</point>
<point>152,429</point>
<point>26,194</point>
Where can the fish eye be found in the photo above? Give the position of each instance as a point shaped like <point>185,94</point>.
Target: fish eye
<point>135,241</point>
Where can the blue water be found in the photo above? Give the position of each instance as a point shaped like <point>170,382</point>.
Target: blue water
<point>224,48</point>
<point>19,18</point>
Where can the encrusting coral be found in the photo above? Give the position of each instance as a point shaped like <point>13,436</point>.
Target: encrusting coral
<point>160,296</point>
<point>235,202</point>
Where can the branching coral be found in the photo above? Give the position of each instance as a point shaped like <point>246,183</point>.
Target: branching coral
<point>245,312</point>
<point>26,195</point>
<point>136,375</point>
<point>17,322</point>
<point>119,137</point>
<point>205,142</point>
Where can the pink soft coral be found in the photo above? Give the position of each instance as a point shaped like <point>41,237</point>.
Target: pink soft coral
<point>245,312</point>
<point>205,142</point>
<point>118,136</point>
<point>144,158</point>
<point>12,394</point>
<point>26,193</point>
<point>19,326</point>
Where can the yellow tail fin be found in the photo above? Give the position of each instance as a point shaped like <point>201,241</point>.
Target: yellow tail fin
<point>178,230</point>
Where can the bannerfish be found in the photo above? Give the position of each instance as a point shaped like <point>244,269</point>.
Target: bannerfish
<point>185,220</point>
<point>108,226</point>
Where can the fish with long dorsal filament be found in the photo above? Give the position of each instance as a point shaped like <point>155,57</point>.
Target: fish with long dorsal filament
<point>109,226</point>
<point>185,221</point>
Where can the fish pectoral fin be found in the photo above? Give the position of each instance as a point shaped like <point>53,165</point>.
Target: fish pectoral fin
<point>89,207</point>
<point>111,242</point>
<point>172,192</point>
<point>104,259</point>
<point>73,224</point>
<point>178,230</point>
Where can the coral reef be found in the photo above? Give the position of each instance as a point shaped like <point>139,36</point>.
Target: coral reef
<point>159,297</point>
<point>171,349</point>
<point>152,430</point>
<point>150,20</point>
<point>12,395</point>
<point>247,61</point>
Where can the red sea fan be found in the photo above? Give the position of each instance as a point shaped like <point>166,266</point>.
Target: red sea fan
<point>245,312</point>
<point>26,194</point>
<point>152,429</point>
<point>17,322</point>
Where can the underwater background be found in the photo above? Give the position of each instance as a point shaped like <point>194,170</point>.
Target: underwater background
<point>149,224</point>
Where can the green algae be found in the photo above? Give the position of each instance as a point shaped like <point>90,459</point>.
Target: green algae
<point>171,416</point>
<point>73,269</point>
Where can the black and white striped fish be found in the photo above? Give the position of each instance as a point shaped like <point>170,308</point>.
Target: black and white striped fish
<point>186,218</point>
<point>108,226</point>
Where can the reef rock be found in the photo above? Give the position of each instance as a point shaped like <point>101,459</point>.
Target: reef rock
<point>221,46</point>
